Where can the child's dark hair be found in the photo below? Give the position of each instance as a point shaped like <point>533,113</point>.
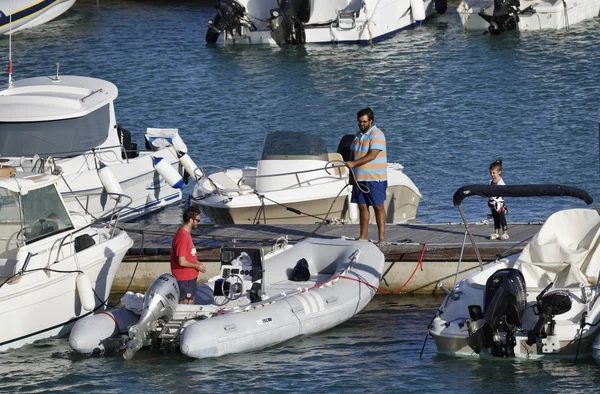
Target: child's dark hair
<point>496,164</point>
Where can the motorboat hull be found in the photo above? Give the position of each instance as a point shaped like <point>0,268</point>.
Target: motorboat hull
<point>270,213</point>
<point>145,189</point>
<point>315,202</point>
<point>28,13</point>
<point>542,15</point>
<point>340,21</point>
<point>45,305</point>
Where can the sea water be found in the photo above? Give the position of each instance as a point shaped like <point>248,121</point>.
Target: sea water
<point>450,102</point>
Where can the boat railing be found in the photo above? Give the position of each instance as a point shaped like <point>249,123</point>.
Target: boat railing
<point>296,173</point>
<point>110,220</point>
<point>328,167</point>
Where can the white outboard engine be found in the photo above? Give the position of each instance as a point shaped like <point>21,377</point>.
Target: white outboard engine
<point>549,304</point>
<point>160,303</point>
<point>505,16</point>
<point>505,302</point>
<point>231,15</point>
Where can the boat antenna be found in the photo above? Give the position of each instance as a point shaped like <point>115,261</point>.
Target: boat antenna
<point>10,80</point>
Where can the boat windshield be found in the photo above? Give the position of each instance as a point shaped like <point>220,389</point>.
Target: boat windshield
<point>43,214</point>
<point>291,145</point>
<point>61,138</point>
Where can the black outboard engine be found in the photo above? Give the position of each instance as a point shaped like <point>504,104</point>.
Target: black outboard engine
<point>505,301</point>
<point>548,305</point>
<point>294,15</point>
<point>505,16</point>
<point>344,147</point>
<point>230,15</point>
<point>440,6</point>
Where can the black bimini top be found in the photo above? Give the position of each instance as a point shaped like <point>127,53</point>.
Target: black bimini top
<point>520,191</point>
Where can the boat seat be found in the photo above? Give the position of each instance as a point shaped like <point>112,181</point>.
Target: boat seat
<point>225,183</point>
<point>289,285</point>
<point>337,161</point>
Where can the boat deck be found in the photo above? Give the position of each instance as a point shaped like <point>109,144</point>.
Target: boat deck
<point>404,242</point>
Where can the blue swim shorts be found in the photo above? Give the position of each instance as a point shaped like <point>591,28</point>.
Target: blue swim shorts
<point>375,196</point>
<point>187,289</point>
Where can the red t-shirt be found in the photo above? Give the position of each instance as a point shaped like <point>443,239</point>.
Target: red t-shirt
<point>183,246</point>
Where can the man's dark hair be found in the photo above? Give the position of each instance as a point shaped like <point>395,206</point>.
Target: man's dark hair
<point>190,213</point>
<point>366,111</point>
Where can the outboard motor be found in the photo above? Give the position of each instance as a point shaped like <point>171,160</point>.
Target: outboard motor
<point>548,305</point>
<point>441,6</point>
<point>230,15</point>
<point>344,147</point>
<point>160,303</point>
<point>505,301</point>
<point>505,16</point>
<point>287,22</point>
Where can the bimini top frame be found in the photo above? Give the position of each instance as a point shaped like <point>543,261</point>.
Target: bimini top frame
<point>543,190</point>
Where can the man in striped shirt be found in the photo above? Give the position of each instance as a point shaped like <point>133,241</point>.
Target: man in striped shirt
<point>369,165</point>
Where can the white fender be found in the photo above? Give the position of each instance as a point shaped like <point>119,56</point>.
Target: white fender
<point>84,289</point>
<point>417,9</point>
<point>91,335</point>
<point>109,181</point>
<point>165,170</point>
<point>189,165</point>
<point>352,209</point>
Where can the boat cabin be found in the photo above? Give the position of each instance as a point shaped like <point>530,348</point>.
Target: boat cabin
<point>31,209</point>
<point>294,159</point>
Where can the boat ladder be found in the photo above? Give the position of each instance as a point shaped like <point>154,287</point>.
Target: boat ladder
<point>182,318</point>
<point>346,19</point>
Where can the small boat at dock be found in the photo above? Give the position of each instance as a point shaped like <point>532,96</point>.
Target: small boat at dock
<point>542,302</point>
<point>297,181</point>
<point>264,295</point>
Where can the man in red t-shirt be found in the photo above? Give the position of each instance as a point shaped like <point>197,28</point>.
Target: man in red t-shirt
<point>184,265</point>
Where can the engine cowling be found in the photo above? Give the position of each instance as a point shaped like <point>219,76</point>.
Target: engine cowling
<point>505,301</point>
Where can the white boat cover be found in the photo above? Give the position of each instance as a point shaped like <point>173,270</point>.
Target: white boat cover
<point>563,251</point>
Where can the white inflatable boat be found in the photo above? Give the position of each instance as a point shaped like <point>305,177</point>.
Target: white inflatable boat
<point>264,296</point>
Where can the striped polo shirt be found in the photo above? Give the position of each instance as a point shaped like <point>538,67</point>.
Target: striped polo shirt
<point>376,169</point>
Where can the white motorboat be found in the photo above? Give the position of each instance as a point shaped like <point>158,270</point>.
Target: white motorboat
<point>264,296</point>
<point>297,180</point>
<point>54,267</point>
<point>497,16</point>
<point>66,125</point>
<point>16,15</point>
<point>316,21</point>
<point>541,302</point>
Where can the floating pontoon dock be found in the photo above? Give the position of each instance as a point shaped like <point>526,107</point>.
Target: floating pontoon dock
<point>419,257</point>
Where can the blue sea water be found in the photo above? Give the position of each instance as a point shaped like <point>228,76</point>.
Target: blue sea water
<point>449,101</point>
